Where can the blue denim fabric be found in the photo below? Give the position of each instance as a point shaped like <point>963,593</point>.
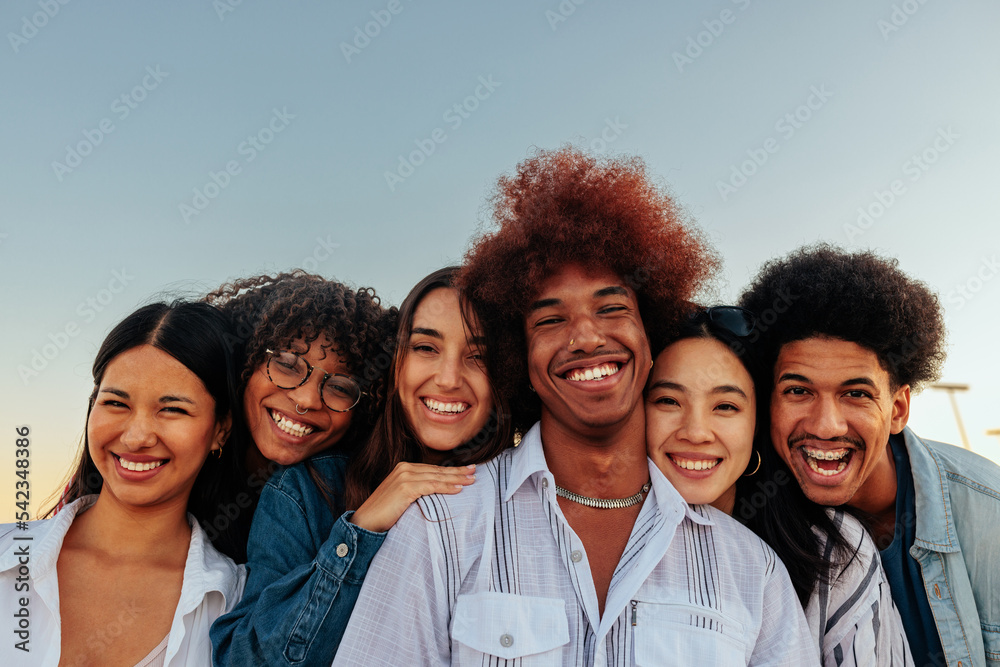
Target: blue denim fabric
<point>300,591</point>
<point>958,547</point>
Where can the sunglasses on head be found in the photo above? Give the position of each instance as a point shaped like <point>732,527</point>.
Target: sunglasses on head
<point>737,321</point>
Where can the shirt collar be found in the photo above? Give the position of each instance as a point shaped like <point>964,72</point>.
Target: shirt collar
<point>935,521</point>
<point>528,460</point>
<point>205,569</point>
<point>47,537</point>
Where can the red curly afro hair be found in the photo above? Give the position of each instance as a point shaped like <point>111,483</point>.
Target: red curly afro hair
<point>567,206</point>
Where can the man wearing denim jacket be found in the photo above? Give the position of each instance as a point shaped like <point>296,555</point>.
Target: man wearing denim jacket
<point>849,335</point>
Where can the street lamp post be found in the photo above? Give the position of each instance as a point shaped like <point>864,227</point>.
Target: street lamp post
<point>951,389</point>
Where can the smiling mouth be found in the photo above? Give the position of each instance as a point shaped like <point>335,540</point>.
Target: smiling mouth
<point>442,408</point>
<point>827,462</point>
<point>138,467</point>
<point>694,464</point>
<point>594,373</point>
<point>288,426</point>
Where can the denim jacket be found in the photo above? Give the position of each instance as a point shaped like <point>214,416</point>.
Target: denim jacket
<point>958,547</point>
<point>306,566</point>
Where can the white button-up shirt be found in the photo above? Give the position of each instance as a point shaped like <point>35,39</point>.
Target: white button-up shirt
<point>497,573</point>
<point>212,586</point>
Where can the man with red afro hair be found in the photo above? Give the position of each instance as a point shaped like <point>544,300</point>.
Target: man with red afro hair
<point>573,548</point>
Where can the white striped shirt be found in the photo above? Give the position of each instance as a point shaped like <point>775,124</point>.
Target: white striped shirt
<point>496,576</point>
<point>854,616</point>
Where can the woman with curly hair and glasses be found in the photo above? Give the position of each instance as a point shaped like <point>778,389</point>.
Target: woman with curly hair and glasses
<point>311,357</point>
<point>706,429</point>
<point>307,563</point>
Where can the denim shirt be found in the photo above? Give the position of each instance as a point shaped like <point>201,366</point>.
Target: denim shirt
<point>306,566</point>
<point>958,547</point>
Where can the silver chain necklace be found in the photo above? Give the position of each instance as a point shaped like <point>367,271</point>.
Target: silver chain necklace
<point>604,503</point>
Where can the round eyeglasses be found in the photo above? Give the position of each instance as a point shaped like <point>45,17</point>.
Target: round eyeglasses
<point>288,370</point>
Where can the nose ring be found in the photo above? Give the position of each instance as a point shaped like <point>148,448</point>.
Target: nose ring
<point>302,412</point>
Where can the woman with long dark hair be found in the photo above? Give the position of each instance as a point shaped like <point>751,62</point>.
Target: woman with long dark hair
<point>306,562</point>
<point>707,430</point>
<point>123,574</point>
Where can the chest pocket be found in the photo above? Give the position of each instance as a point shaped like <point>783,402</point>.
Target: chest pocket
<point>680,634</point>
<point>509,626</point>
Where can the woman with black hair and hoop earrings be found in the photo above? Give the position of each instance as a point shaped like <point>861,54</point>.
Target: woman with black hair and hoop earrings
<point>123,574</point>
<point>707,405</point>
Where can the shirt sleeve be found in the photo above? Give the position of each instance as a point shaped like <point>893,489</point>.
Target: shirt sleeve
<point>403,613</point>
<point>300,588</point>
<point>855,615</point>
<point>784,637</point>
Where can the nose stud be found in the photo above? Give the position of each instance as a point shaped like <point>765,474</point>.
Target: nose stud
<point>571,341</point>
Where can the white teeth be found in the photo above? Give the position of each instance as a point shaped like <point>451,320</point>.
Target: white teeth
<point>826,473</point>
<point>445,408</point>
<point>596,373</point>
<point>138,467</point>
<point>824,454</point>
<point>695,464</point>
<point>290,427</point>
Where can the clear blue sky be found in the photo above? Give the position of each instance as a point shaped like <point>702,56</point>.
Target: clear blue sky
<point>773,123</point>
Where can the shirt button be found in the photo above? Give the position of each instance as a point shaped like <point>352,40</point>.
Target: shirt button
<point>506,640</point>
<point>342,549</point>
<point>545,485</point>
<point>937,591</point>
<point>576,556</point>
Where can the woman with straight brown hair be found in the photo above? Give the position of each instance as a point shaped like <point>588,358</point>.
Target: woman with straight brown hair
<point>306,563</point>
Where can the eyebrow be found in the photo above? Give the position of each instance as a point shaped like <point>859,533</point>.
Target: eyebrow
<point>163,399</point>
<point>420,331</point>
<point>175,399</point>
<point>613,290</point>
<point>721,389</point>
<point>795,377</point>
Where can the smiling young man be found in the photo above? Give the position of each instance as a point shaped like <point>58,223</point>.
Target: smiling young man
<point>853,338</point>
<point>573,549</point>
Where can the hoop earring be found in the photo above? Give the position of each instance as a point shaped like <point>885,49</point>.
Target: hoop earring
<point>751,474</point>
<point>217,453</point>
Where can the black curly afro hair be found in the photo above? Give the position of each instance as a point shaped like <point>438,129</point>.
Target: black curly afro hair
<point>823,290</point>
<point>272,311</point>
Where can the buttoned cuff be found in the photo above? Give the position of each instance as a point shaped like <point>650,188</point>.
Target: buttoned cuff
<point>349,550</point>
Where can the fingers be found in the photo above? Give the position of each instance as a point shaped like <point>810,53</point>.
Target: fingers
<point>406,473</point>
